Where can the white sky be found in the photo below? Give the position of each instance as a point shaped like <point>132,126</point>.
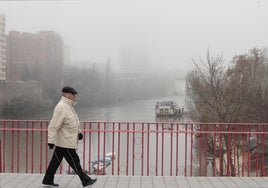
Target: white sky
<point>173,31</point>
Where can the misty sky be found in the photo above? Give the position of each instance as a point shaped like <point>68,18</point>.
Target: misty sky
<point>173,32</point>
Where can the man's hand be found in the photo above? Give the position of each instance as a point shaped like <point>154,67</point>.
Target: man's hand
<point>51,146</point>
<point>80,136</point>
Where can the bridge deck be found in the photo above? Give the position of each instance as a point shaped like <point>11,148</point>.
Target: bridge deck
<point>21,180</point>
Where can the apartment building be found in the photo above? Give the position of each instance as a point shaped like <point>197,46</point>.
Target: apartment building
<point>2,48</point>
<point>34,56</point>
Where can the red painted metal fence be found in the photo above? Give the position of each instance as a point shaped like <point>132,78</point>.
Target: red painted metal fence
<point>142,148</point>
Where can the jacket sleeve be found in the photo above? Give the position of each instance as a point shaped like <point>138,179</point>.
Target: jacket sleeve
<point>55,124</point>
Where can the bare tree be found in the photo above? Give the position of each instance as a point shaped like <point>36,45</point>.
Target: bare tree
<point>250,73</point>
<point>211,95</point>
<point>237,94</point>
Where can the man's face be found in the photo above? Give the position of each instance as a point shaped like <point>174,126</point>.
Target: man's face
<point>71,96</point>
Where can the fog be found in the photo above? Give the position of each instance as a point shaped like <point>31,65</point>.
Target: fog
<point>171,33</point>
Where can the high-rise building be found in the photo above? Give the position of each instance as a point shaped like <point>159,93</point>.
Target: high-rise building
<point>134,55</point>
<point>34,56</point>
<point>134,60</point>
<point>2,48</point>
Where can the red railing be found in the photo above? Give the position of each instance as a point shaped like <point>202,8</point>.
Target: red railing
<point>142,148</point>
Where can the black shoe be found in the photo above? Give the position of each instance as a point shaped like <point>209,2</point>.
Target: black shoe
<point>89,182</point>
<point>50,185</point>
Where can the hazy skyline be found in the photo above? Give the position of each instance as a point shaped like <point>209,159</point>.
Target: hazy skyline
<point>174,31</point>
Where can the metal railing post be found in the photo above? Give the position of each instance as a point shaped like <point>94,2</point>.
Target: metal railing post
<point>0,156</point>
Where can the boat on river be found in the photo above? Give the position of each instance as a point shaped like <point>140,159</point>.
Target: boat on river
<point>168,108</point>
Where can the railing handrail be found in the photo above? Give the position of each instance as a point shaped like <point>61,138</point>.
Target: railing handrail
<point>142,122</point>
<point>145,131</point>
<point>143,147</point>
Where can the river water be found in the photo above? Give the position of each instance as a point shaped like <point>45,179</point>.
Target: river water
<point>134,111</point>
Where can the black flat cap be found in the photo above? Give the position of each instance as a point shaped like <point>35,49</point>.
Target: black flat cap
<point>69,90</point>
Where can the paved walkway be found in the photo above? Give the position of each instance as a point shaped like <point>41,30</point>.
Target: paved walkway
<point>8,180</point>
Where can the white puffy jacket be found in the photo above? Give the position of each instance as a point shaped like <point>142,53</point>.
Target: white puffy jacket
<point>64,126</point>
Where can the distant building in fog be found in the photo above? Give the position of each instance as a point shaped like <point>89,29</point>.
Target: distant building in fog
<point>98,67</point>
<point>34,56</point>
<point>133,55</point>
<point>2,48</point>
<point>134,60</point>
<point>180,86</point>
<point>66,55</point>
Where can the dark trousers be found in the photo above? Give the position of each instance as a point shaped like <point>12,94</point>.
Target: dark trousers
<point>73,160</point>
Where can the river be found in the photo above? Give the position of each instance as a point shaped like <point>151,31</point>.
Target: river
<point>134,111</point>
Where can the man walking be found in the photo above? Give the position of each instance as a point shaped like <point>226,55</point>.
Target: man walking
<point>63,134</point>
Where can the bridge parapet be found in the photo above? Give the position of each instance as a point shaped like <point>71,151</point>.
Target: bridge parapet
<point>143,148</point>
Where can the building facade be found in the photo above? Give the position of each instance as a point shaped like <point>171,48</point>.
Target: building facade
<point>2,48</point>
<point>134,56</point>
<point>134,60</point>
<point>34,56</point>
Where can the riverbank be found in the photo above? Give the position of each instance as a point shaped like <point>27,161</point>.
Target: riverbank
<point>138,110</point>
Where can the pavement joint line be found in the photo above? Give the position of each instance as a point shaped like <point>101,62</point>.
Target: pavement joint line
<point>117,180</point>
<point>209,179</point>
<point>176,181</point>
<point>106,179</point>
<point>163,177</point>
<point>152,179</point>
<point>241,181</point>
<point>199,182</point>
<point>188,182</point>
<point>256,181</point>
<point>8,181</point>
<point>27,177</point>
<point>223,183</point>
<point>71,179</point>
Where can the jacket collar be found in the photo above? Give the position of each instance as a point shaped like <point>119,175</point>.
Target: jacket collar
<point>67,101</point>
